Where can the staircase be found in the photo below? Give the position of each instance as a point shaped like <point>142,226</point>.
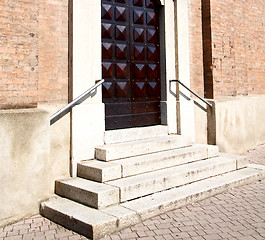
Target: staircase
<point>131,181</point>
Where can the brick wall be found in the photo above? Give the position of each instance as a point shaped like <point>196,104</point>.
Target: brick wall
<point>53,50</point>
<point>33,52</point>
<point>34,49</point>
<point>196,50</point>
<point>233,47</point>
<point>238,30</point>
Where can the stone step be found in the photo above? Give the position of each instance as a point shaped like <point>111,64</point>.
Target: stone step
<point>134,134</point>
<point>168,200</point>
<point>95,224</point>
<point>100,195</point>
<point>148,183</point>
<point>84,220</point>
<point>114,151</point>
<point>101,171</point>
<point>97,195</point>
<point>166,159</point>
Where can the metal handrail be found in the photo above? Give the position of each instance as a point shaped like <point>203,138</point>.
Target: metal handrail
<point>58,115</point>
<point>209,104</point>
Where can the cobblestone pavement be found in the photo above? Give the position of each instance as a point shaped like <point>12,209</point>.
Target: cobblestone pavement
<point>235,214</point>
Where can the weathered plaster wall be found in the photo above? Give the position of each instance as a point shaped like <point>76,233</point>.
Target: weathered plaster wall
<point>200,121</point>
<point>59,142</point>
<point>236,125</point>
<point>25,176</point>
<point>33,155</point>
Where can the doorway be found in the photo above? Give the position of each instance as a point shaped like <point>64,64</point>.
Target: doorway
<point>130,63</point>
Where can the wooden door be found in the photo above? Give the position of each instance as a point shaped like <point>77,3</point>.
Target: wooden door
<point>130,63</point>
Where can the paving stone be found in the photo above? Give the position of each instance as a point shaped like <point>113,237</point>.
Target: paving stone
<point>148,238</point>
<point>13,238</point>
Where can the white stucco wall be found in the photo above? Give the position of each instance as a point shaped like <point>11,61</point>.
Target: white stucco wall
<point>185,107</point>
<point>88,118</point>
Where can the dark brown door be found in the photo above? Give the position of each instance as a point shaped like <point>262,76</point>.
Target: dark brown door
<point>130,63</point>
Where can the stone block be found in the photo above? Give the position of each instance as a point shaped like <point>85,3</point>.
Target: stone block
<point>97,195</point>
<point>99,171</point>
<point>135,148</point>
<point>148,183</point>
<point>87,221</point>
<point>213,151</point>
<point>125,216</point>
<point>155,161</point>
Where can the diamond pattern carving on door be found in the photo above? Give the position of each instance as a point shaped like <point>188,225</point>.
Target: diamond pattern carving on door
<point>139,34</point>
<point>152,36</point>
<point>138,3</point>
<point>106,50</point>
<point>130,63</point>
<point>106,31</point>
<point>120,32</point>
<point>106,12</point>
<point>152,89</point>
<point>107,69</point>
<point>121,89</point>
<point>153,70</point>
<point>121,70</point>
<point>138,17</point>
<point>121,51</point>
<point>107,90</point>
<point>120,14</point>
<point>153,54</point>
<point>140,89</point>
<point>139,52</point>
<point>151,18</point>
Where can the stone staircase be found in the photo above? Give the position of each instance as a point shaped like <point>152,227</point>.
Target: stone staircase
<point>131,181</point>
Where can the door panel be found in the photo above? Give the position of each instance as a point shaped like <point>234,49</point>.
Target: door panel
<point>130,63</point>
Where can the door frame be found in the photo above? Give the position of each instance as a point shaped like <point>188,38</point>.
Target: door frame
<point>87,120</point>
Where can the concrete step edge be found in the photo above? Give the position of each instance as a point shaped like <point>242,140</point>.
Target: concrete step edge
<point>134,134</point>
<point>168,200</point>
<point>114,151</point>
<point>160,160</point>
<point>99,171</point>
<point>96,224</point>
<point>147,183</point>
<point>84,220</point>
<point>100,195</point>
<point>102,171</point>
<point>89,193</point>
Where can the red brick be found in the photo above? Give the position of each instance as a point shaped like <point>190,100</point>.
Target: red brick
<point>234,51</point>
<point>30,30</point>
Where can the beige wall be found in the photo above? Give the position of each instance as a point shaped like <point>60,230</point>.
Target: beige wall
<point>236,125</point>
<point>59,142</point>
<point>240,123</point>
<point>27,171</point>
<point>200,121</point>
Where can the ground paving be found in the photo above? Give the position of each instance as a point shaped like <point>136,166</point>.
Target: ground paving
<point>238,213</point>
